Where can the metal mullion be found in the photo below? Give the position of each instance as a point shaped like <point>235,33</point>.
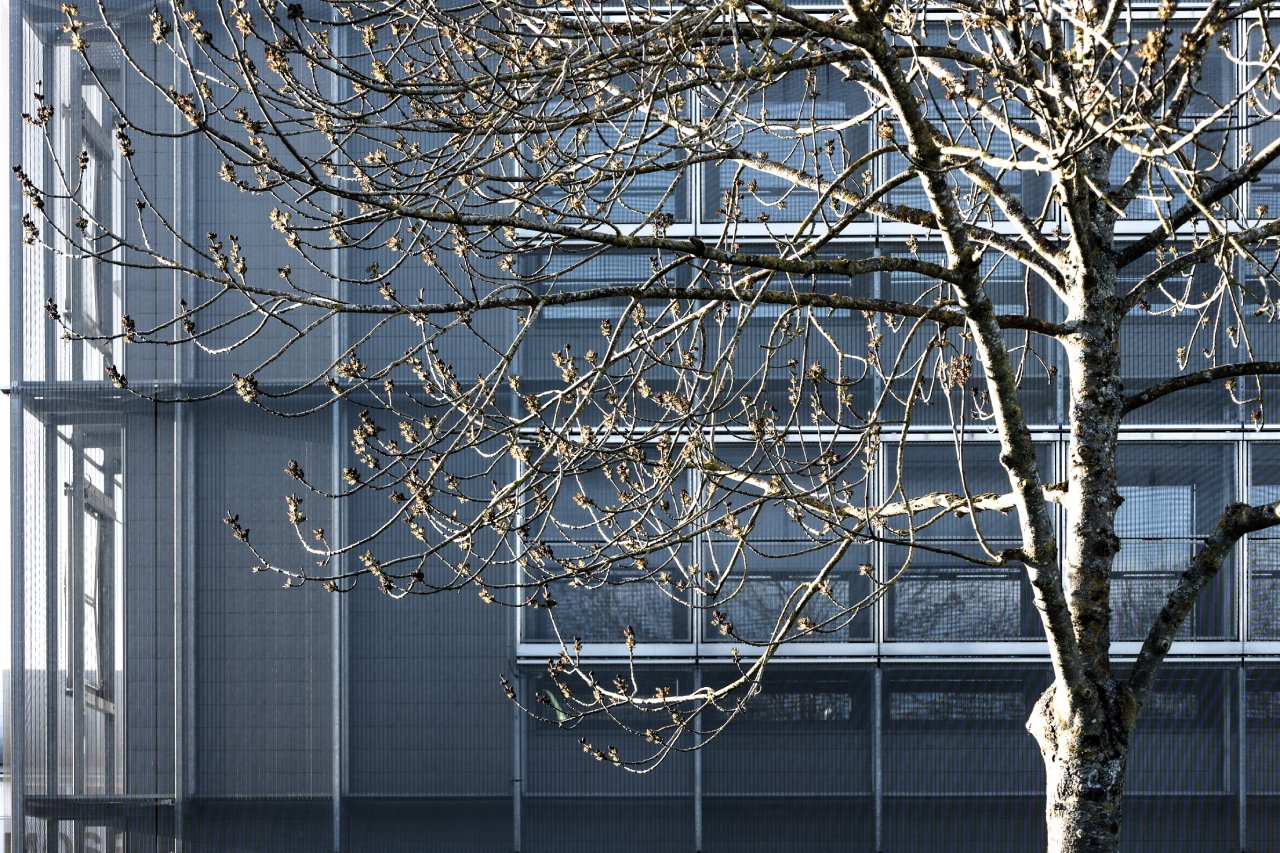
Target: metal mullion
<point>75,503</point>
<point>16,712</point>
<point>1242,743</point>
<point>877,757</point>
<point>697,771</point>
<point>518,758</point>
<point>182,368</point>
<point>1239,559</point>
<point>338,642</point>
<point>878,551</point>
<point>701,545</point>
<point>518,764</point>
<point>694,175</point>
<point>51,608</point>
<point>339,645</point>
<point>119,768</point>
<point>50,486</point>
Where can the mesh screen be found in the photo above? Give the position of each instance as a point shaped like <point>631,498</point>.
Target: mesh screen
<point>556,765</point>
<point>407,825</point>
<point>262,653</point>
<point>1182,778</point>
<point>630,825</point>
<point>947,733</point>
<point>1263,554</point>
<point>1166,507</point>
<point>808,732</point>
<point>746,824</point>
<point>802,133</point>
<point>432,753</point>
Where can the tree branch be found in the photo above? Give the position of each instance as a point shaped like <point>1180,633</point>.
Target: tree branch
<point>1237,520</point>
<point>1200,254</point>
<point>945,501</point>
<point>1194,207</point>
<point>1200,377</point>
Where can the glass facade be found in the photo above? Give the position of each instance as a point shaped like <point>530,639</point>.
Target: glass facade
<point>166,698</point>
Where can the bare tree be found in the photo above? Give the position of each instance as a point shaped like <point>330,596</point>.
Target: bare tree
<point>452,178</point>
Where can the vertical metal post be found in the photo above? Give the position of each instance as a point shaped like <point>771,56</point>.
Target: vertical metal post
<point>517,769</point>
<point>337,642</point>
<point>74,503</point>
<point>16,716</point>
<point>184,528</point>
<point>1242,777</point>
<point>52,681</point>
<point>697,766</point>
<point>877,760</point>
<point>16,712</point>
<point>1239,560</point>
<point>183,599</point>
<point>50,448</point>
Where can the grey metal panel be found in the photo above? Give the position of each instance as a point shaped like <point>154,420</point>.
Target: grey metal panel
<point>634,825</point>
<point>262,653</point>
<point>409,825</point>
<point>148,510</point>
<point>427,714</point>
<point>257,825</point>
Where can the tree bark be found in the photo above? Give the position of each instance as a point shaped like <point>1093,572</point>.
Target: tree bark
<point>1084,759</point>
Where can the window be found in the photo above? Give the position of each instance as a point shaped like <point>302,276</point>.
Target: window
<point>89,634</point>
<point>806,125</point>
<point>1167,509</point>
<point>961,733</point>
<point>89,295</point>
<point>939,596</point>
<point>1262,553</point>
<point>1163,190</point>
<point>1165,335</point>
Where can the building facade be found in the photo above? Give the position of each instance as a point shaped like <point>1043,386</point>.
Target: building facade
<point>167,699</point>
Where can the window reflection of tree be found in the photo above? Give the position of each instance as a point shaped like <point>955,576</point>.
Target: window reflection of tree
<point>88,633</point>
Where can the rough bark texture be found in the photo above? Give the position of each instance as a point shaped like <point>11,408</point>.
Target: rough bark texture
<point>1083,725</point>
<point>1084,758</point>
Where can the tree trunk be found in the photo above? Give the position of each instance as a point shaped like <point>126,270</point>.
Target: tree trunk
<point>1084,760</point>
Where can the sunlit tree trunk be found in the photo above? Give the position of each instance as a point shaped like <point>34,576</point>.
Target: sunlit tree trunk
<point>1084,759</point>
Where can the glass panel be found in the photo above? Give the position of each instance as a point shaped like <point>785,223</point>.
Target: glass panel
<point>602,173</point>
<point>737,823</point>
<point>1170,333</point>
<point>1262,751</point>
<point>1166,508</point>
<point>961,731</point>
<point>973,468</point>
<point>1262,726</point>
<point>815,724</point>
<point>805,127</point>
<point>555,762</point>
<point>756,572</point>
<point>1184,743</point>
<point>1030,188</point>
<point>575,329</point>
<point>1262,38</point>
<point>939,599</point>
<point>1263,550</point>
<point>1205,474</point>
<point>1013,290</point>
<point>1211,154</point>
<point>1182,780</point>
<point>591,516</point>
<point>765,578</point>
<point>600,613</point>
<point>93,557</point>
